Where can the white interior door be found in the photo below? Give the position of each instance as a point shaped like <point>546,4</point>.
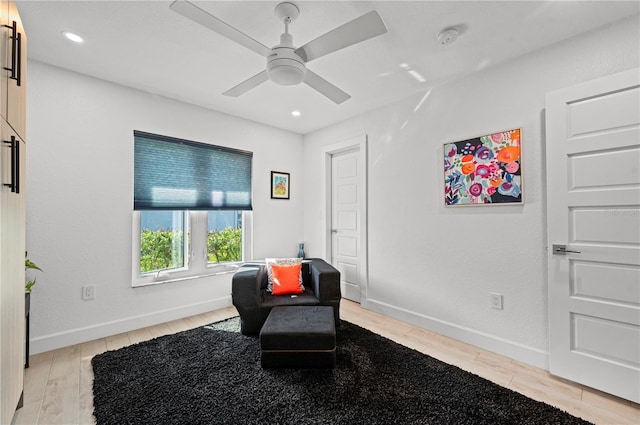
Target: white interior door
<point>345,221</point>
<point>593,213</point>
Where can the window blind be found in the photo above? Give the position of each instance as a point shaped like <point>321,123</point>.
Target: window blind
<point>174,174</point>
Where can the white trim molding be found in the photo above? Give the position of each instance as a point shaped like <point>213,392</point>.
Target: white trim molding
<point>102,330</point>
<point>522,353</point>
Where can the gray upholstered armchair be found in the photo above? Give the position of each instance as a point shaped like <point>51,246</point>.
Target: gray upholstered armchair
<point>250,297</point>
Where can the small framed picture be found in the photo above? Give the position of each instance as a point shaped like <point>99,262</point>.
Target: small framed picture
<point>279,185</point>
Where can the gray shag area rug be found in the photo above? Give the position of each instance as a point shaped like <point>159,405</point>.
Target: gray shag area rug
<point>212,375</point>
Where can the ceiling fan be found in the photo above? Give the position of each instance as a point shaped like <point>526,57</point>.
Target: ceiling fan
<point>286,64</point>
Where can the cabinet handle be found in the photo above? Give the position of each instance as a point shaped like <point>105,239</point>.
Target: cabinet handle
<point>16,53</point>
<point>19,61</point>
<point>15,165</point>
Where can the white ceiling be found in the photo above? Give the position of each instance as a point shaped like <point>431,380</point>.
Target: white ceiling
<point>143,44</point>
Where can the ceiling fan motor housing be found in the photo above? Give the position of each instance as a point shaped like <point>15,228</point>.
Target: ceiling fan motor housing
<point>283,65</point>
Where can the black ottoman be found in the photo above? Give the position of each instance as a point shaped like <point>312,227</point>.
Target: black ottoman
<point>299,337</point>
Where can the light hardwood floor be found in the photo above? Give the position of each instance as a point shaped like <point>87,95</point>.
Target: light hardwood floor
<point>58,383</point>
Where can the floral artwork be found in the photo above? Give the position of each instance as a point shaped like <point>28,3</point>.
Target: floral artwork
<point>484,170</point>
<point>279,185</point>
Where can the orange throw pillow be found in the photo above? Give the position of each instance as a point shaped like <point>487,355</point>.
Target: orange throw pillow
<point>286,279</point>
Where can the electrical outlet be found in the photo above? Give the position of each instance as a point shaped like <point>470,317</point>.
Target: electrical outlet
<point>88,292</point>
<point>496,300</point>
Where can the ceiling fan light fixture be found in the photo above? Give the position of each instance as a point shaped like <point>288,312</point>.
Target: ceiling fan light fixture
<point>285,68</point>
<point>285,75</point>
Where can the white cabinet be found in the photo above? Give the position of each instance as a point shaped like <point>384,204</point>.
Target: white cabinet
<point>12,209</point>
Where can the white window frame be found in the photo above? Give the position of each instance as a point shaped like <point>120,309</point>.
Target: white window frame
<point>196,256</point>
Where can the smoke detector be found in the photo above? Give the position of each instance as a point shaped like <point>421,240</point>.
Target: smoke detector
<point>448,35</point>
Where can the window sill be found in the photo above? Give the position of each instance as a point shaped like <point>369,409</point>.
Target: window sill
<point>167,278</point>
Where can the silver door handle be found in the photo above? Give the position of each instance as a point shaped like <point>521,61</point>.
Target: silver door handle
<point>334,230</point>
<point>562,250</point>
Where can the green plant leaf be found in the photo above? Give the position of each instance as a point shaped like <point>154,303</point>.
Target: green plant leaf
<point>31,265</point>
<point>28,264</point>
<point>29,285</point>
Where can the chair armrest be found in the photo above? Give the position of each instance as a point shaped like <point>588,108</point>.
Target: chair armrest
<point>245,286</point>
<point>325,280</point>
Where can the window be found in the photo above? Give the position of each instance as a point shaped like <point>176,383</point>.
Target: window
<point>163,241</point>
<point>224,237</point>
<point>192,207</point>
<point>181,244</point>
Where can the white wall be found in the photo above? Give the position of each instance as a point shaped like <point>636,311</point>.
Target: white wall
<point>79,208</point>
<point>435,266</point>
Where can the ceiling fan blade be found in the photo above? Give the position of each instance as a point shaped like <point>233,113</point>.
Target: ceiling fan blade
<point>247,85</point>
<point>360,29</point>
<point>204,18</point>
<point>324,87</point>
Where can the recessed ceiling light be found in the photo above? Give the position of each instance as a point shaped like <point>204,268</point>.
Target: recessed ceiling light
<point>72,36</point>
<point>296,113</point>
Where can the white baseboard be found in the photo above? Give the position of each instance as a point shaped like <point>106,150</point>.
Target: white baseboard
<point>522,353</point>
<point>513,350</point>
<point>50,342</point>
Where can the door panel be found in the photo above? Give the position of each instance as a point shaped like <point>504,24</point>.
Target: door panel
<point>587,278</point>
<point>588,115</point>
<point>348,220</point>
<point>604,225</point>
<point>595,169</point>
<point>606,340</point>
<point>593,206</point>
